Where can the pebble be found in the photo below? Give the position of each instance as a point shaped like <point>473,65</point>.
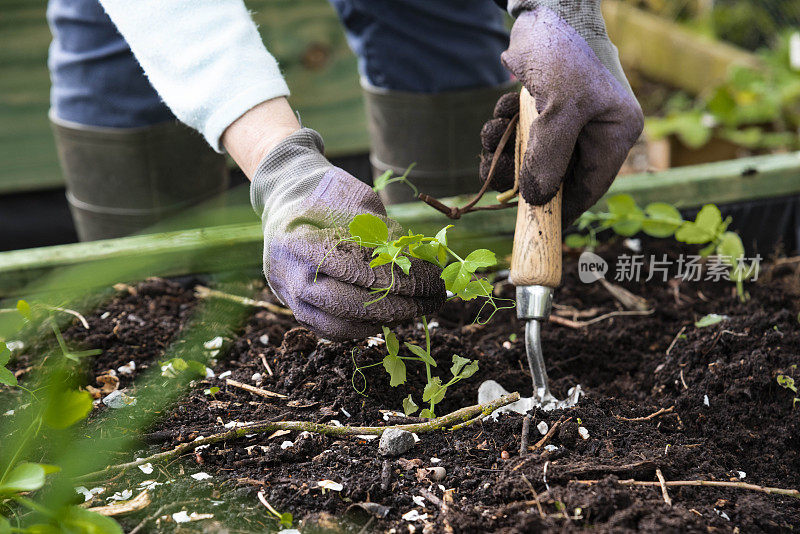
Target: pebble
<point>542,428</point>
<point>504,455</point>
<point>395,442</point>
<point>264,339</point>
<point>437,473</point>
<point>117,399</point>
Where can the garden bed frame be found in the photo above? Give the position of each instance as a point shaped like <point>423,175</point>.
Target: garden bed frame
<point>235,247</point>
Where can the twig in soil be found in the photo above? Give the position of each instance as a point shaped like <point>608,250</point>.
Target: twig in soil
<point>582,324</point>
<point>456,212</point>
<point>431,497</point>
<point>526,429</point>
<point>653,415</point>
<point>662,481</point>
<point>630,301</point>
<point>254,390</point>
<point>541,443</point>
<point>203,292</point>
<point>147,519</point>
<point>440,423</point>
<point>266,365</point>
<point>535,496</point>
<point>573,312</point>
<point>675,340</point>
<point>713,483</point>
<point>683,381</point>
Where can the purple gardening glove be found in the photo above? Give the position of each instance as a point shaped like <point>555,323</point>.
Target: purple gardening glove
<point>588,117</point>
<point>305,205</point>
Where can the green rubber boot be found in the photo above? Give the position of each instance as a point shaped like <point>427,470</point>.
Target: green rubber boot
<point>121,181</point>
<point>438,132</point>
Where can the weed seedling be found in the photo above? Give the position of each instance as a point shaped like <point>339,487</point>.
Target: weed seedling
<point>787,382</point>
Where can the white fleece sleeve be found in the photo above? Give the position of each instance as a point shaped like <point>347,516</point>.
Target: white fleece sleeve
<point>204,57</point>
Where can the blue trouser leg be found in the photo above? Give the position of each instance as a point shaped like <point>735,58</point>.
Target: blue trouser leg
<point>96,80</point>
<point>426,46</point>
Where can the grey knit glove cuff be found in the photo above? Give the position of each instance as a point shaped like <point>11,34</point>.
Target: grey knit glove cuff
<point>586,17</point>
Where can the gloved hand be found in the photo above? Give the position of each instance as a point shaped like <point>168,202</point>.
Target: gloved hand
<point>588,117</point>
<point>305,205</point>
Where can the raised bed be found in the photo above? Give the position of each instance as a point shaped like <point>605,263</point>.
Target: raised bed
<point>99,264</point>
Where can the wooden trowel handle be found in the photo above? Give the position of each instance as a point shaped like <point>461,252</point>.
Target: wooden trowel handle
<point>536,257</point>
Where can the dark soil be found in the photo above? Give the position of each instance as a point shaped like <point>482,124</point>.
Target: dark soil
<point>727,419</point>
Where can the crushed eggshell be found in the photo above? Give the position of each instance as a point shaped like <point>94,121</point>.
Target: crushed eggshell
<point>226,374</point>
<point>705,400</point>
<point>264,339</point>
<point>127,369</point>
<point>542,428</point>
<point>88,493</point>
<point>330,485</point>
<point>550,447</point>
<point>419,500</point>
<point>414,515</point>
<point>202,475</point>
<point>583,432</point>
<point>213,344</point>
<point>123,495</point>
<point>146,468</point>
<point>286,444</point>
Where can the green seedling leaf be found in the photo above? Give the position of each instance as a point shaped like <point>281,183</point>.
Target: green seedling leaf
<point>369,229</point>
<point>406,240</point>
<point>420,352</point>
<point>787,382</point>
<point>710,320</point>
<point>477,288</point>
<point>24,309</point>
<point>441,235</point>
<point>77,519</point>
<point>469,370</point>
<point>427,414</point>
<point>24,477</point>
<point>434,391</point>
<point>404,263</point>
<point>396,369</point>
<point>6,376</point>
<point>381,181</point>
<point>730,247</point>
<point>211,391</point>
<point>663,219</point>
<point>286,519</point>
<point>458,364</point>
<point>706,226</point>
<point>456,277</point>
<point>392,345</point>
<point>576,241</point>
<point>409,406</point>
<point>479,259</point>
<point>425,251</point>
<point>628,217</point>
<point>67,407</point>
<point>382,259</point>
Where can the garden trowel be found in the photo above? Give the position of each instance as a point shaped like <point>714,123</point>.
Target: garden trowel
<point>535,270</point>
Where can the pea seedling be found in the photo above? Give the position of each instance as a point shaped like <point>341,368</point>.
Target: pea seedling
<point>460,281</point>
<point>659,219</point>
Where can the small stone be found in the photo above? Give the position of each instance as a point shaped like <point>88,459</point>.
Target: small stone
<point>395,442</point>
<point>504,455</point>
<point>118,399</point>
<point>437,473</point>
<point>542,428</point>
<point>264,339</point>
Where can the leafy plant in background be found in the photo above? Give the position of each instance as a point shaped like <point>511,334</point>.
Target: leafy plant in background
<point>658,219</point>
<point>60,408</point>
<point>756,108</point>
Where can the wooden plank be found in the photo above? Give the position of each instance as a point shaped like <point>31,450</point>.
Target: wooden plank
<point>668,52</point>
<point>215,249</point>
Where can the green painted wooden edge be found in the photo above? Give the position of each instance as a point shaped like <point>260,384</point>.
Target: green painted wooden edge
<point>221,248</point>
